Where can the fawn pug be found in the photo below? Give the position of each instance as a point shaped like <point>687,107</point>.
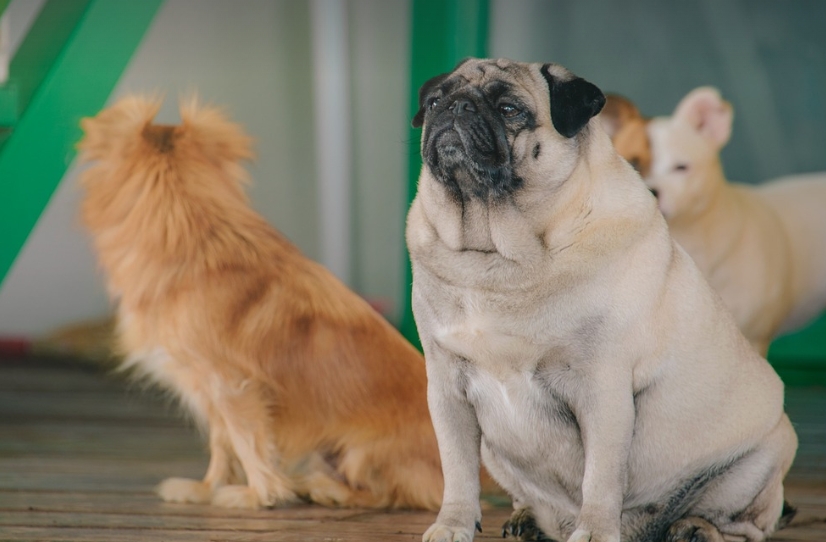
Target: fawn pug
<point>303,389</point>
<point>571,344</point>
<point>762,247</point>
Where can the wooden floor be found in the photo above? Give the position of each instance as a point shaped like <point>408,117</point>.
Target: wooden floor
<point>81,451</point>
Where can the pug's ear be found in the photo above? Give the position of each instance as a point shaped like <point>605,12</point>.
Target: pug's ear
<point>573,102</point>
<point>707,113</point>
<point>427,88</point>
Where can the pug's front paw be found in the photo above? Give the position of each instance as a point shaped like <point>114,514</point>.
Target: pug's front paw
<point>455,523</point>
<point>444,533</point>
<point>585,535</point>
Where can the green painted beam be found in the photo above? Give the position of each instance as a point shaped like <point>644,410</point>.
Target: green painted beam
<point>36,155</point>
<point>37,54</point>
<point>444,32</point>
<point>800,358</point>
<point>3,5</point>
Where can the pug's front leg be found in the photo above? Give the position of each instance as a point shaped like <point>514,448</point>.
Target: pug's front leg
<point>605,412</point>
<point>459,439</point>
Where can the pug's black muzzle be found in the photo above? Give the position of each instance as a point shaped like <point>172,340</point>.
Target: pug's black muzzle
<point>466,148</point>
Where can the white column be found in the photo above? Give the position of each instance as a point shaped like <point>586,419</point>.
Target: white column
<point>331,71</point>
<point>5,47</point>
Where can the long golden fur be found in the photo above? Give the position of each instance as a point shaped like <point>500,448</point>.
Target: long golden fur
<point>303,389</point>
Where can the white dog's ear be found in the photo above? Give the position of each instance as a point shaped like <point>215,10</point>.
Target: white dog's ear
<point>705,111</point>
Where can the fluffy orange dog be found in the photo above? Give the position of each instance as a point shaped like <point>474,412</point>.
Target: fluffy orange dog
<point>305,390</point>
<point>628,131</point>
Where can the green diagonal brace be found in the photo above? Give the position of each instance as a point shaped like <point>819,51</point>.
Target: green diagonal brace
<point>444,32</point>
<point>36,155</point>
<point>37,55</point>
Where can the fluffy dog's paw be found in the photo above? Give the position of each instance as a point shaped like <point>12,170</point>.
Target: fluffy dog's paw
<point>324,490</point>
<point>522,526</point>
<point>443,533</point>
<point>584,535</point>
<point>693,529</point>
<point>184,490</point>
<point>238,496</point>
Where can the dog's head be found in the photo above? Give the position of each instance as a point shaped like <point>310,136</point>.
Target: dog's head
<point>491,125</point>
<point>628,130</point>
<point>124,135</point>
<point>134,158</point>
<point>685,166</point>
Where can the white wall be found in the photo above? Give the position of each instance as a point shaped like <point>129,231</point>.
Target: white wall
<point>768,59</point>
<point>253,58</point>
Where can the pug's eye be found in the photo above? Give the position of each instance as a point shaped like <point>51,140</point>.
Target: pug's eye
<point>509,110</point>
<point>432,101</point>
<point>681,167</point>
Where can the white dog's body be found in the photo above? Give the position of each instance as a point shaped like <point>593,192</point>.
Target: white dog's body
<point>762,248</point>
<point>568,337</point>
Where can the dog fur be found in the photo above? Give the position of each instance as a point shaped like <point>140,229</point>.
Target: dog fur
<point>762,247</point>
<point>628,130</point>
<point>303,389</point>
<point>571,344</point>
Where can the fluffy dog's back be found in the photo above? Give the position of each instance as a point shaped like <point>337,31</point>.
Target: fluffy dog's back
<point>295,377</point>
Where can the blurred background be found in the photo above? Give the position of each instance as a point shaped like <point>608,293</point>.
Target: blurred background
<point>327,87</point>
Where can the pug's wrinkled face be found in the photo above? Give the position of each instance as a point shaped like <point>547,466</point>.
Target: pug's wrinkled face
<point>488,122</point>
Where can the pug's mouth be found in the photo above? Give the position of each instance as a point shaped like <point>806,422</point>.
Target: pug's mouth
<point>470,156</point>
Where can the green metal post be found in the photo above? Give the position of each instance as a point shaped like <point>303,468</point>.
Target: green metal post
<point>800,357</point>
<point>40,147</point>
<point>444,32</point>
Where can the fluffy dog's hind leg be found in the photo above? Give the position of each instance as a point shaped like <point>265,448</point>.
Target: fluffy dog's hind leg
<point>223,469</point>
<point>247,419</point>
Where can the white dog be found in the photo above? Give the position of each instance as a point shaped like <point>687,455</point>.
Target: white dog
<point>763,248</point>
<point>570,343</point>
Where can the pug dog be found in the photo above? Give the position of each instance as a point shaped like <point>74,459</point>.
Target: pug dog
<point>571,346</point>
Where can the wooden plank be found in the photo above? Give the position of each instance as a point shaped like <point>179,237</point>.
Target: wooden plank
<point>146,504</point>
<point>53,375</point>
<point>91,520</point>
<point>135,534</point>
<point>67,474</point>
<point>80,463</point>
<point>29,407</point>
<point>98,440</point>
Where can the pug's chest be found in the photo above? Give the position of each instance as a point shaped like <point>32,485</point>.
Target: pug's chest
<point>528,431</point>
<point>492,341</point>
<point>503,333</point>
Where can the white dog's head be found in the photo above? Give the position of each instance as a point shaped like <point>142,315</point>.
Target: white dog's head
<point>685,167</point>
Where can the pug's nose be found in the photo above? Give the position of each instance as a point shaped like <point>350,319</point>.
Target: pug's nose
<point>462,106</point>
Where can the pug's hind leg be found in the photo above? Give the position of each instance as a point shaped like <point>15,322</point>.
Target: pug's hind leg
<point>522,526</point>
<point>747,502</point>
<point>693,529</point>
